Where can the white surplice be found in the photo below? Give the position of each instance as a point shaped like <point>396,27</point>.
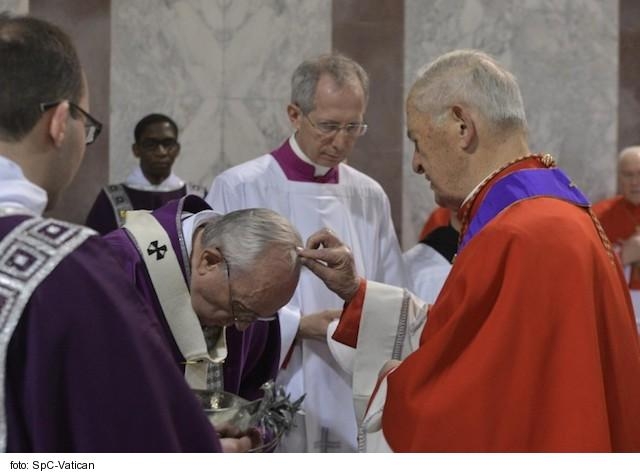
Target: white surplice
<point>357,210</point>
<point>426,271</point>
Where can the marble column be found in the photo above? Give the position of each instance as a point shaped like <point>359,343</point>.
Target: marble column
<point>88,24</point>
<point>221,69</point>
<point>372,33</point>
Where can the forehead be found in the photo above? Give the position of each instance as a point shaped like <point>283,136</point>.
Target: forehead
<point>261,289</point>
<point>158,130</point>
<point>348,97</point>
<point>416,120</point>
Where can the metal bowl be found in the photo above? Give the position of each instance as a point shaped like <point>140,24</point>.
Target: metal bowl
<point>227,408</point>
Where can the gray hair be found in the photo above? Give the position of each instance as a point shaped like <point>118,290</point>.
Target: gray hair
<point>244,235</point>
<point>473,78</point>
<point>628,150</point>
<point>339,67</point>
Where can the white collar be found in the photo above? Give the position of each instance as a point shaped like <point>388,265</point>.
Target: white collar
<point>137,180</point>
<point>17,192</point>
<point>192,221</point>
<point>319,170</point>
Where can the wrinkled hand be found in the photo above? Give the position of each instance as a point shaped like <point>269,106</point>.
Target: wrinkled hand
<point>329,259</point>
<point>630,252</point>
<point>315,325</point>
<point>235,441</point>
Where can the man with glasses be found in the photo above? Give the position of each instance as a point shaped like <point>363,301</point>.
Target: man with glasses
<point>151,184</point>
<point>215,283</point>
<point>307,180</point>
<point>84,367</point>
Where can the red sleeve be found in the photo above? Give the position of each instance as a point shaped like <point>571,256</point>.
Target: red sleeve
<point>349,325</point>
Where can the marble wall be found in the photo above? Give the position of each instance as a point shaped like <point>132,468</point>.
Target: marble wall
<point>629,83</point>
<point>220,68</point>
<point>14,6</point>
<point>565,54</point>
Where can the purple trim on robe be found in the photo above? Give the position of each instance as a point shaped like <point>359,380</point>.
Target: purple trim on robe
<point>297,170</point>
<point>521,185</point>
<point>253,354</point>
<point>169,217</point>
<point>87,369</point>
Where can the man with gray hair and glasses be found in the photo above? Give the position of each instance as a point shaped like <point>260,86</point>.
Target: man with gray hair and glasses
<point>531,344</point>
<point>307,180</point>
<point>215,283</point>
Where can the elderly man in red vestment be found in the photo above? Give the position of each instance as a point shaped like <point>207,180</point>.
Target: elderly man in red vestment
<point>531,344</point>
<point>620,218</point>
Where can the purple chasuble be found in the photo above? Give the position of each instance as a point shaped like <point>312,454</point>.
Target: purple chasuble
<point>521,185</point>
<point>297,170</point>
<point>87,369</point>
<point>102,214</point>
<point>253,354</point>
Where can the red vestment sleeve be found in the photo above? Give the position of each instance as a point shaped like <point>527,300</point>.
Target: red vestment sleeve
<point>349,325</point>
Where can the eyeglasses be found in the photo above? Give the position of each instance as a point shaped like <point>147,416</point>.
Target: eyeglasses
<point>92,127</point>
<point>238,311</point>
<point>353,130</point>
<point>152,144</point>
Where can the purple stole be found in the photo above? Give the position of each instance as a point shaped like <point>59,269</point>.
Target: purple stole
<point>522,185</point>
<point>253,355</point>
<point>297,170</point>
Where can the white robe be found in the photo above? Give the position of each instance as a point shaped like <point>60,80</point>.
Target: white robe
<point>358,210</point>
<point>387,336</point>
<point>137,180</point>
<point>390,328</point>
<point>426,271</point>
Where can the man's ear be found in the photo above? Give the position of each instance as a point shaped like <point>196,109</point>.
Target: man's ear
<point>295,115</point>
<point>135,149</point>
<point>207,260</point>
<point>58,123</point>
<point>465,126</point>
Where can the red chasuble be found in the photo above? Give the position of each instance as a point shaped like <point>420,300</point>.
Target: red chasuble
<point>620,219</point>
<point>531,345</point>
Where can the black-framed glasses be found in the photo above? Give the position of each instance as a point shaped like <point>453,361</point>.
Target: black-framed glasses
<point>152,144</point>
<point>92,127</point>
<point>353,130</point>
<point>238,311</point>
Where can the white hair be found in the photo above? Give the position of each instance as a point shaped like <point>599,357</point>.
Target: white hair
<point>473,78</point>
<point>245,235</point>
<point>628,150</point>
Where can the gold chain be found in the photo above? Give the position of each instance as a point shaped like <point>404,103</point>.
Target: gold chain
<point>546,159</point>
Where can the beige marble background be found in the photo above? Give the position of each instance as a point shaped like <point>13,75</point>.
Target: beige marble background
<point>15,6</point>
<point>221,69</point>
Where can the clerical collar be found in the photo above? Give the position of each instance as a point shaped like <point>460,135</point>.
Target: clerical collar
<point>319,170</point>
<point>137,180</point>
<point>297,166</point>
<point>190,222</point>
<point>17,192</point>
